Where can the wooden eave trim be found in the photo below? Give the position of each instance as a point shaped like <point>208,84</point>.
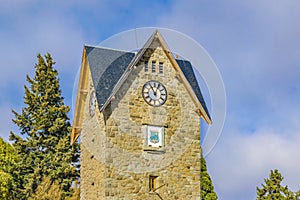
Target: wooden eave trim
<point>75,134</point>
<point>80,99</point>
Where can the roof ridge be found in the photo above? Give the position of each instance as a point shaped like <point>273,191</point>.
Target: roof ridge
<point>107,48</point>
<point>182,59</point>
<point>128,69</point>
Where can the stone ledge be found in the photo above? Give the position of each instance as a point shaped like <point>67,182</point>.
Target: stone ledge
<point>155,151</point>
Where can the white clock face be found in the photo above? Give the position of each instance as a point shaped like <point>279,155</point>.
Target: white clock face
<point>92,103</point>
<point>154,93</point>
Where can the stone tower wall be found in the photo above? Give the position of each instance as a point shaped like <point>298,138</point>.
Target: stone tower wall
<point>116,162</point>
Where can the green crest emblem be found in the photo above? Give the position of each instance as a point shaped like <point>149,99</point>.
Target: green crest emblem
<point>154,137</point>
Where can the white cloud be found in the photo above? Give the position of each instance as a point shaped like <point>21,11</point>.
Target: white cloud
<point>256,47</point>
<point>39,33</point>
<point>25,34</point>
<point>7,6</point>
<point>241,161</point>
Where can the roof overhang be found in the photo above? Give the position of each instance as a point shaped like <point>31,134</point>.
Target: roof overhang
<point>81,96</point>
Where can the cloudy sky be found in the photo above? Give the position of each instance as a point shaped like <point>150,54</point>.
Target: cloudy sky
<point>255,44</point>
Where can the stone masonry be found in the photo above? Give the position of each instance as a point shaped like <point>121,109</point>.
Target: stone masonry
<point>116,162</point>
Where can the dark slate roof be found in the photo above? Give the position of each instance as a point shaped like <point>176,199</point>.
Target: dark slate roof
<point>108,65</point>
<point>189,74</point>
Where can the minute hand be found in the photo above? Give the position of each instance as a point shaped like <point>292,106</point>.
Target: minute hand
<point>154,90</point>
<point>157,88</point>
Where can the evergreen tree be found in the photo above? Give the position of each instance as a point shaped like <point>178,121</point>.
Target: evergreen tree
<point>44,147</point>
<point>272,188</point>
<point>8,158</point>
<point>297,194</point>
<point>207,188</point>
<point>47,190</point>
<point>76,192</point>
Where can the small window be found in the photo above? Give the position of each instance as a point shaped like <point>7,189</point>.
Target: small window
<point>153,67</point>
<point>152,183</point>
<point>161,68</point>
<point>146,66</point>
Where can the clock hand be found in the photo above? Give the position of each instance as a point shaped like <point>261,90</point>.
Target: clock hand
<point>154,91</point>
<point>158,85</point>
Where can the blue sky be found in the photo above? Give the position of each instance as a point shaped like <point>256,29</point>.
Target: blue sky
<point>255,45</point>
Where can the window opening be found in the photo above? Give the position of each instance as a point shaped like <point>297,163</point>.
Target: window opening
<point>146,66</point>
<point>153,67</point>
<point>152,183</point>
<point>161,68</point>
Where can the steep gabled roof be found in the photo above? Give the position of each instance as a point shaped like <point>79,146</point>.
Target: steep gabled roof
<point>109,68</point>
<point>106,66</point>
<point>187,69</point>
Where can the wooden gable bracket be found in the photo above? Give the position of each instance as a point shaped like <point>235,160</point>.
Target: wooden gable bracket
<point>81,98</point>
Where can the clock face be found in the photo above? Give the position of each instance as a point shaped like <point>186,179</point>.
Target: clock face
<point>92,103</point>
<point>154,93</point>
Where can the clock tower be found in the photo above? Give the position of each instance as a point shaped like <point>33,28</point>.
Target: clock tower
<point>138,118</point>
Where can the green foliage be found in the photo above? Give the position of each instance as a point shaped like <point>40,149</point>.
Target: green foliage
<point>297,194</point>
<point>272,188</point>
<point>47,190</point>
<point>5,185</point>
<point>44,147</point>
<point>8,158</point>
<point>76,192</point>
<point>207,188</point>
